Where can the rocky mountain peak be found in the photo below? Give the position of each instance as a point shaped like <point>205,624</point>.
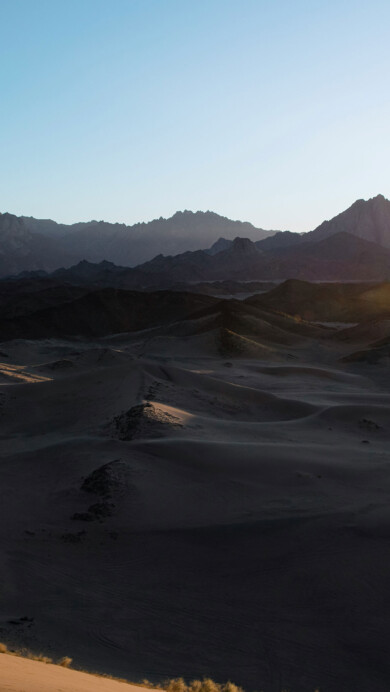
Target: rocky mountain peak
<point>243,246</point>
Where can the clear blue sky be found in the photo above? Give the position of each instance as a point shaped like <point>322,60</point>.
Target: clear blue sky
<point>276,111</point>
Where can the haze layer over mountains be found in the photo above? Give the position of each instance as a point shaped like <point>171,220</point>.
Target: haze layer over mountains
<point>193,247</point>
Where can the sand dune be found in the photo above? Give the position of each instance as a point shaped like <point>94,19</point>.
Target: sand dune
<point>22,675</point>
<point>365,332</point>
<point>168,511</point>
<point>328,302</point>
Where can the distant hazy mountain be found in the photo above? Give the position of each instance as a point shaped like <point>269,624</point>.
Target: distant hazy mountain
<point>280,240</point>
<point>22,250</point>
<point>131,245</point>
<point>219,245</point>
<point>340,257</point>
<point>166,251</point>
<point>240,257</point>
<point>368,219</point>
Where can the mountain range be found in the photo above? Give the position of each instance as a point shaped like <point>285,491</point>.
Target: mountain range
<point>130,245</point>
<point>355,245</point>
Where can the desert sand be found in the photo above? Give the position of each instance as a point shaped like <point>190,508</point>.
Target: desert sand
<point>168,511</point>
<point>22,675</point>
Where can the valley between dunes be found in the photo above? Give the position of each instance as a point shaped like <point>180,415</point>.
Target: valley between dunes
<point>170,511</point>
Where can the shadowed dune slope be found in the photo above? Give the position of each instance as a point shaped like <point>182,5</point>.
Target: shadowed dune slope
<point>337,302</point>
<point>104,312</point>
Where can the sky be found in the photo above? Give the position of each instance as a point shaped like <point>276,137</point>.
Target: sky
<point>275,112</point>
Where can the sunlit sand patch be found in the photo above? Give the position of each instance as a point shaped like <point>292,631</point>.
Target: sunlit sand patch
<point>15,374</point>
<point>149,419</point>
<point>166,412</point>
<point>201,371</point>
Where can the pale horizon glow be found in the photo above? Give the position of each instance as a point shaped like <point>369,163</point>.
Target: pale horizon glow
<point>275,113</point>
